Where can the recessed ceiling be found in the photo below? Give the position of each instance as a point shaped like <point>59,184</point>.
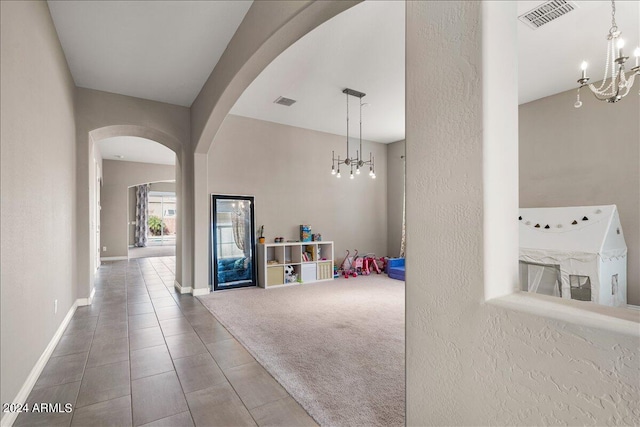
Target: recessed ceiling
<point>362,49</point>
<point>134,149</point>
<point>158,50</point>
<point>549,57</point>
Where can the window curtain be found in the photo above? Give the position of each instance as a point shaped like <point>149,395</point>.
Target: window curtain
<point>403,242</point>
<point>240,223</point>
<point>142,215</point>
<point>237,224</point>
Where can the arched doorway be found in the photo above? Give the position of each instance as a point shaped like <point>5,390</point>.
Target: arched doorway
<point>93,237</point>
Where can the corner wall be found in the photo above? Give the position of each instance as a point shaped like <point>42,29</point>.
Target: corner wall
<point>288,170</point>
<point>582,157</point>
<point>38,208</point>
<point>395,196</point>
<point>114,216</point>
<point>469,362</point>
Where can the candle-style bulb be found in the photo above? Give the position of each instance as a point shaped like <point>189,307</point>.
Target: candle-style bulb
<point>583,67</point>
<point>620,45</point>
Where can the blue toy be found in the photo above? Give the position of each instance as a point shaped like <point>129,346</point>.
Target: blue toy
<point>395,268</point>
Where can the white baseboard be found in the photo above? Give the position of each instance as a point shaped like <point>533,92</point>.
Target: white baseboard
<point>10,417</point>
<point>181,289</point>
<point>114,258</point>
<point>87,301</point>
<point>200,291</point>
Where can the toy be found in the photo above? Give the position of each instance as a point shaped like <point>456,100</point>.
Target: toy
<point>370,263</point>
<point>358,263</point>
<point>347,267</point>
<point>289,274</point>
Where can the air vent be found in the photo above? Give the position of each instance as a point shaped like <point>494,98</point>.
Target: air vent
<point>285,101</point>
<point>547,12</point>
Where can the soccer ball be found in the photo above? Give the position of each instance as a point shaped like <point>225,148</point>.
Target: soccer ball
<point>288,270</point>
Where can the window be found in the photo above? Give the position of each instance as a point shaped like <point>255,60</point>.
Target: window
<point>614,284</point>
<point>580,287</point>
<point>540,278</point>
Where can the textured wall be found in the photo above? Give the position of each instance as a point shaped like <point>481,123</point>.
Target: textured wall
<point>38,189</point>
<point>395,196</point>
<point>575,160</point>
<point>118,177</point>
<point>288,170</point>
<point>468,362</point>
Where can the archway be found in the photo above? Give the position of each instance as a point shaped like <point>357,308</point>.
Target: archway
<point>89,264</point>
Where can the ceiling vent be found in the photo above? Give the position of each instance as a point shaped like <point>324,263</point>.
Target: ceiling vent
<point>285,101</point>
<point>547,12</point>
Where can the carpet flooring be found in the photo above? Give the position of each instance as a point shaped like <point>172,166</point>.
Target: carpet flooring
<point>337,347</point>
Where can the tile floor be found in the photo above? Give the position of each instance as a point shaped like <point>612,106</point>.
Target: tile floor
<point>142,354</point>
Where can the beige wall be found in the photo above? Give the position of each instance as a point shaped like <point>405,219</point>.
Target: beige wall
<point>395,196</point>
<point>154,186</point>
<point>469,362</point>
<point>37,133</point>
<point>582,157</point>
<point>288,170</point>
<point>101,115</point>
<point>118,177</point>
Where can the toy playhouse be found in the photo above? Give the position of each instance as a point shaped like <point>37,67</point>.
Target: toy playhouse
<point>574,253</point>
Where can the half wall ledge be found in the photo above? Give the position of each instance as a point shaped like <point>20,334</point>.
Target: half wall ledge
<point>611,319</point>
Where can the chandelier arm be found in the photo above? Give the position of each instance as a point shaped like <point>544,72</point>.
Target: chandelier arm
<point>607,96</point>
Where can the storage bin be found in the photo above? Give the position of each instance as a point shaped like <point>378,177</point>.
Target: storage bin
<point>308,272</point>
<point>275,275</point>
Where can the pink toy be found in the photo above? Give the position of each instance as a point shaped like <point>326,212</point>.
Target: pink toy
<point>347,266</point>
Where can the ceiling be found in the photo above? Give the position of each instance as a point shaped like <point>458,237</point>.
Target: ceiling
<point>165,51</point>
<point>134,149</point>
<point>158,50</point>
<point>362,49</point>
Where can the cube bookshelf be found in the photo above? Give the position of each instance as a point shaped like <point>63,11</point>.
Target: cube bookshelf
<point>311,262</point>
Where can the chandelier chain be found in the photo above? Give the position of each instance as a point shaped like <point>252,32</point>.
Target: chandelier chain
<point>614,26</point>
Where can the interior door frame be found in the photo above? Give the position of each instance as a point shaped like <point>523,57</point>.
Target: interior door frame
<point>213,282</point>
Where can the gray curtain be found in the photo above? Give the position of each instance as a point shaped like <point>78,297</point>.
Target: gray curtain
<point>237,222</point>
<point>142,215</point>
<point>241,224</point>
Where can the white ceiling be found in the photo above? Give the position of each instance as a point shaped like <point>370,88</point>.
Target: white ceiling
<point>136,149</point>
<point>362,49</point>
<point>549,58</point>
<point>158,50</point>
<point>165,51</point>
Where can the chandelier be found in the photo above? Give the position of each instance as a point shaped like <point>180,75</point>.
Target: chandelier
<point>615,83</point>
<point>356,161</point>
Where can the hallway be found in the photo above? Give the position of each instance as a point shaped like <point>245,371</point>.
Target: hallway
<point>142,354</point>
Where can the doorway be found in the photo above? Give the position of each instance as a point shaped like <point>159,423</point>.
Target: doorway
<point>232,242</point>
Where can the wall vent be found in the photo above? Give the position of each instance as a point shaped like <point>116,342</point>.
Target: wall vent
<point>547,12</point>
<point>285,101</point>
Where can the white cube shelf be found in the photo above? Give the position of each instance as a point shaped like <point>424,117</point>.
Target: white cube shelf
<point>311,262</point>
